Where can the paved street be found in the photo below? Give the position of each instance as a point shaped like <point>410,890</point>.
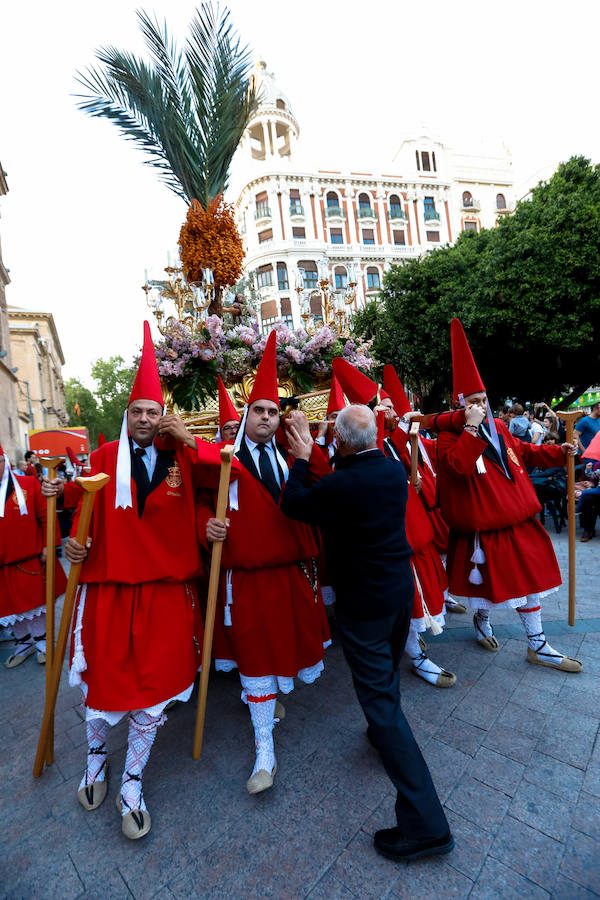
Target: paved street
<point>513,749</point>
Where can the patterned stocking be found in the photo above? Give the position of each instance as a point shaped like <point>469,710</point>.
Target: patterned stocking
<point>532,623</point>
<point>425,667</point>
<point>38,632</point>
<point>483,621</point>
<point>142,731</point>
<point>97,730</point>
<point>260,694</point>
<point>22,632</point>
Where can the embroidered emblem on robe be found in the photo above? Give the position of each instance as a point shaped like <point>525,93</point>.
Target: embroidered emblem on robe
<point>174,478</point>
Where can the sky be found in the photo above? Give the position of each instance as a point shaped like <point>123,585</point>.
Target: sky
<point>84,218</point>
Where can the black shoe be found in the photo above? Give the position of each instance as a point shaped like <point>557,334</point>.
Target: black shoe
<point>389,842</point>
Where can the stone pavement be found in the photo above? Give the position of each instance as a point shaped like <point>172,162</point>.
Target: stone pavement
<point>513,749</point>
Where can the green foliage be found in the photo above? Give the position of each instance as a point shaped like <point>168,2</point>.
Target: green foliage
<point>527,293</point>
<point>186,109</point>
<point>101,409</point>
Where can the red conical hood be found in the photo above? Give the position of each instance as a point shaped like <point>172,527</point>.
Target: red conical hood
<point>336,397</point>
<point>147,381</point>
<point>357,387</point>
<point>465,375</point>
<point>101,440</point>
<point>227,411</point>
<point>73,459</point>
<point>265,384</point>
<point>396,392</point>
<point>1,450</point>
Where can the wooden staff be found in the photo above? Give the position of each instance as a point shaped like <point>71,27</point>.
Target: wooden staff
<point>90,487</point>
<point>211,606</point>
<point>414,452</point>
<point>570,418</point>
<point>51,463</point>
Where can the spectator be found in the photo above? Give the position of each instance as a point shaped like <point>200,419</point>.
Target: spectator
<point>519,423</point>
<point>587,428</point>
<point>535,426</point>
<point>30,461</point>
<point>551,437</point>
<point>589,508</point>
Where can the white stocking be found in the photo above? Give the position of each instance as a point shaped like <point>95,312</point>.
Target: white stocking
<point>482,617</point>
<point>425,667</point>
<point>532,623</point>
<point>38,631</point>
<point>97,730</point>
<point>261,694</point>
<point>22,633</point>
<point>142,731</point>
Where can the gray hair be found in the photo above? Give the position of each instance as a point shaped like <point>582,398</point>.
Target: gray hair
<point>357,427</point>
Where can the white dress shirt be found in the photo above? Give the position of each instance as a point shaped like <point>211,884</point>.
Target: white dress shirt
<point>148,457</point>
<point>255,454</point>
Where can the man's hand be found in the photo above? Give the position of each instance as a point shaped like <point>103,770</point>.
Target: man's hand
<point>74,552</point>
<point>569,449</point>
<point>301,443</point>
<point>52,487</point>
<point>297,419</point>
<point>43,556</point>
<point>216,530</point>
<point>474,415</point>
<point>322,429</point>
<point>419,484</point>
<point>172,426</point>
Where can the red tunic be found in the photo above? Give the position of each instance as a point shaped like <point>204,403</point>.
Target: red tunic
<point>520,559</point>
<point>22,576</point>
<point>278,621</point>
<point>142,631</point>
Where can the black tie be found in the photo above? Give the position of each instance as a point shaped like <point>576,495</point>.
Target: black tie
<point>266,473</point>
<point>140,452</point>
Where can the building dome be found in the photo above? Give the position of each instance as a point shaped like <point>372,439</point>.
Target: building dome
<point>270,94</point>
<point>273,129</point>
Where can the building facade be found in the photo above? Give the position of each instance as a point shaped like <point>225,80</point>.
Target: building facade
<point>38,357</point>
<point>350,226</point>
<point>11,431</point>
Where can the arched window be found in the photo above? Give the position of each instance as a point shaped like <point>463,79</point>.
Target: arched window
<point>467,199</point>
<point>280,104</point>
<point>341,277</point>
<point>373,277</point>
<point>364,201</point>
<point>500,201</point>
<point>395,205</point>
<point>332,200</point>
<point>311,276</point>
<point>264,276</point>
<point>282,277</point>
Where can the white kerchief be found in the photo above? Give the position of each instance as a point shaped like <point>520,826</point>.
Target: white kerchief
<point>18,490</point>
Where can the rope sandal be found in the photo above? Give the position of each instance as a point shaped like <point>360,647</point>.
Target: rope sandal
<point>92,795</point>
<point>445,679</point>
<point>19,656</point>
<point>567,664</point>
<point>485,641</point>
<point>136,822</point>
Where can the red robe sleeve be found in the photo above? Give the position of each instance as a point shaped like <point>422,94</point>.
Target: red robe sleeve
<point>460,455</point>
<point>536,456</point>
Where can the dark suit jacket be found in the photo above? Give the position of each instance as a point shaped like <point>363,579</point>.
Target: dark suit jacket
<point>360,509</point>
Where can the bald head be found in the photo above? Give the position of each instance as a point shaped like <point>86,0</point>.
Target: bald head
<point>356,429</point>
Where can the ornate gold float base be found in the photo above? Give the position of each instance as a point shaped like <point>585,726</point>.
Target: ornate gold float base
<point>204,423</point>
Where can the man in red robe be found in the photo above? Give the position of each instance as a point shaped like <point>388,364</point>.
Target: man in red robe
<point>137,626</point>
<point>499,554</point>
<point>22,558</point>
<point>270,622</point>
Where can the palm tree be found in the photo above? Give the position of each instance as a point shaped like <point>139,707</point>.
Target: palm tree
<point>186,109</point>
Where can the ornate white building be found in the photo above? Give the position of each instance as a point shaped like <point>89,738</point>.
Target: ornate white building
<point>359,222</point>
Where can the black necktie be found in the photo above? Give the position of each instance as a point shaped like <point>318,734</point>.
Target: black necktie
<point>140,452</point>
<point>267,475</point>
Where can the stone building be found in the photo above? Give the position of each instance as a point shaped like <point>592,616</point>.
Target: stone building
<point>38,356</point>
<point>11,430</point>
<point>351,225</point>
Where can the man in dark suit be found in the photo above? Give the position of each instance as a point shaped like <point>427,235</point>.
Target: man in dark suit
<point>360,510</point>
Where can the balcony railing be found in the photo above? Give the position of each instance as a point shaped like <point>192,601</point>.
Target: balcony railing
<point>296,209</point>
<point>367,212</point>
<point>430,215</point>
<point>470,204</point>
<point>262,212</point>
<point>396,212</point>
<point>334,212</point>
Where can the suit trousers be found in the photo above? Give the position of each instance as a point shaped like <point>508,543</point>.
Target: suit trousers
<point>372,649</point>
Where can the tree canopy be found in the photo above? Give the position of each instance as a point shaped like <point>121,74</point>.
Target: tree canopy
<point>527,293</point>
<point>101,409</point>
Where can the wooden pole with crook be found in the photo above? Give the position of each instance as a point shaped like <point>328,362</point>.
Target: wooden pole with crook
<point>570,418</point>
<point>413,435</point>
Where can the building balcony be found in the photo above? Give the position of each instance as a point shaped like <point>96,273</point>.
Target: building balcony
<point>503,211</point>
<point>335,212</point>
<point>431,216</point>
<point>367,212</point>
<point>472,205</point>
<point>297,212</point>
<point>396,214</point>
<point>262,214</point>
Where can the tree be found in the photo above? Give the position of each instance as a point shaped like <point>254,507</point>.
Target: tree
<point>101,410</point>
<point>78,397</point>
<point>527,292</point>
<point>187,110</point>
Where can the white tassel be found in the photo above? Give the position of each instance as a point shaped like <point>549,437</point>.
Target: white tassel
<point>475,576</point>
<point>478,554</point>
<point>228,598</point>
<point>79,663</point>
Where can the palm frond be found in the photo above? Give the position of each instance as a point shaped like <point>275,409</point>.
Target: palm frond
<point>187,110</point>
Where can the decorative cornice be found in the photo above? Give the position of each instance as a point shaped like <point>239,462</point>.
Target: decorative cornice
<point>31,315</point>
